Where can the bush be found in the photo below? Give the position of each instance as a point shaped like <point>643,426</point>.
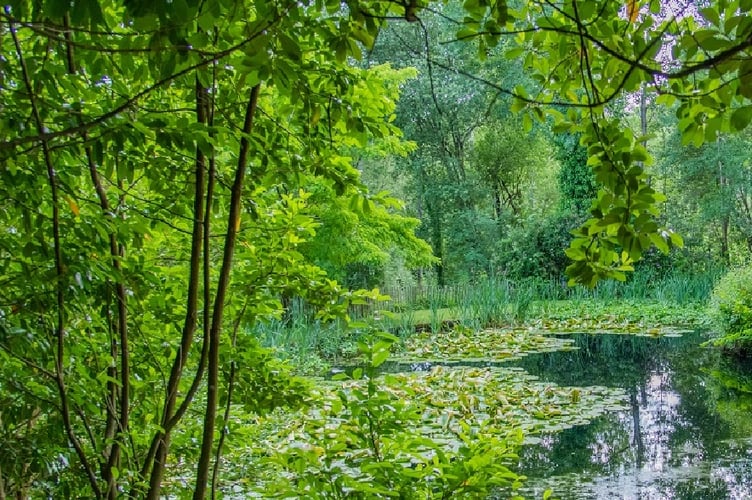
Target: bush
<point>732,310</point>
<point>536,249</point>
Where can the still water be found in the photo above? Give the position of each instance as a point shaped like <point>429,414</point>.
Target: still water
<point>687,432</point>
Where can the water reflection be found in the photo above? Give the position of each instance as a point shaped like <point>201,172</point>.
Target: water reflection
<point>687,433</point>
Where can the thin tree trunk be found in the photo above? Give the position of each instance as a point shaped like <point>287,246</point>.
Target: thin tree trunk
<point>162,440</point>
<point>228,406</point>
<point>510,197</point>
<point>119,394</point>
<point>437,239</point>
<point>497,203</point>
<point>644,115</point>
<point>206,316</point>
<point>725,254</point>
<point>2,485</point>
<point>723,182</point>
<point>233,223</point>
<point>60,331</point>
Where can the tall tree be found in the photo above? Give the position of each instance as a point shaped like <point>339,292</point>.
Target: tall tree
<point>147,151</point>
<point>584,57</point>
<point>712,185</point>
<point>509,163</point>
<point>440,110</point>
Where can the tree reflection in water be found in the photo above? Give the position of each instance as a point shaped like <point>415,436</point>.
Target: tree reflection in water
<point>687,433</point>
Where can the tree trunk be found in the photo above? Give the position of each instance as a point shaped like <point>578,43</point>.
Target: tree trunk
<point>233,225</point>
<point>437,242</point>
<point>2,485</point>
<point>644,115</point>
<point>161,443</point>
<point>723,183</point>
<point>725,240</point>
<point>60,322</point>
<point>497,202</point>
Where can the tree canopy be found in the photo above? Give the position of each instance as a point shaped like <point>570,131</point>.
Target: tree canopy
<point>148,149</point>
<point>587,56</point>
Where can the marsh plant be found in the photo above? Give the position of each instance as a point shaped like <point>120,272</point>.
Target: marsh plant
<point>314,344</point>
<point>486,302</point>
<point>309,342</point>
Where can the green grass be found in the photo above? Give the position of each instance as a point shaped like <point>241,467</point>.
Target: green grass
<point>486,294</point>
<point>427,316</point>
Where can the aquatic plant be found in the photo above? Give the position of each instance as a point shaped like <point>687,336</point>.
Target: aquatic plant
<point>313,345</point>
<point>488,344</point>
<point>368,438</point>
<point>624,316</point>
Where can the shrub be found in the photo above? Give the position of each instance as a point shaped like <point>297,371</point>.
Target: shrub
<point>731,306</point>
<point>536,249</point>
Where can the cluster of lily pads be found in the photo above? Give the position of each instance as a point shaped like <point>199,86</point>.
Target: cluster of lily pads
<point>627,316</point>
<point>453,428</point>
<point>607,325</point>
<point>489,344</point>
<point>503,397</point>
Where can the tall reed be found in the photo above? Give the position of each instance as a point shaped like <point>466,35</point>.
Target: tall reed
<point>489,301</point>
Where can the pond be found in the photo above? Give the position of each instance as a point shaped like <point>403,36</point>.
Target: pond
<point>686,432</point>
<point>651,416</point>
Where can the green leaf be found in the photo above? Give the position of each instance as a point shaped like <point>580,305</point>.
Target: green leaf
<point>515,52</point>
<point>660,243</point>
<point>466,32</point>
<point>676,239</point>
<point>290,47</point>
<point>180,12</point>
<point>666,99</point>
<point>379,357</point>
<point>387,337</point>
<point>527,123</point>
<point>712,15</point>
<point>741,117</point>
<point>745,78</point>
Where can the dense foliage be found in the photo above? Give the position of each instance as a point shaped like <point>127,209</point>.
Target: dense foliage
<point>150,152</point>
<point>174,174</point>
<point>627,100</point>
<point>732,307</point>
